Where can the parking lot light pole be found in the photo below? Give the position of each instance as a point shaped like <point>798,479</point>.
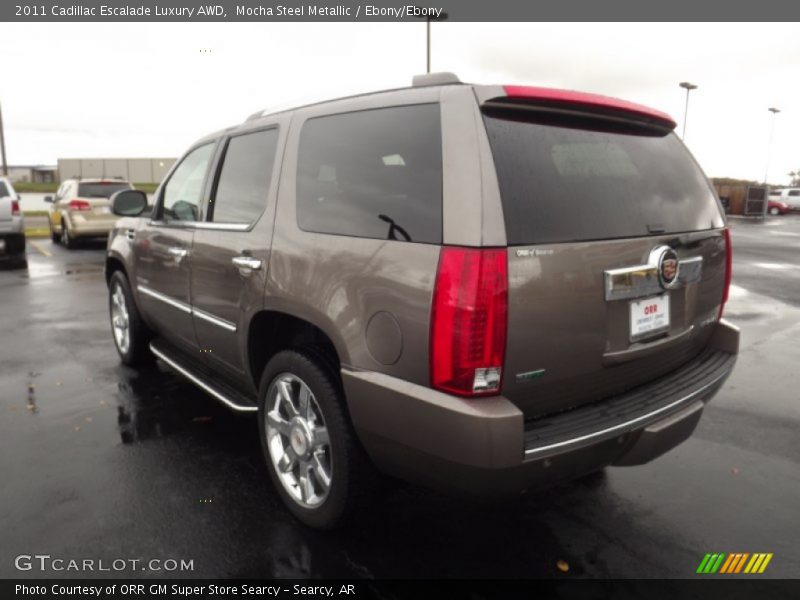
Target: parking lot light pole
<point>442,17</point>
<point>688,87</point>
<point>3,144</point>
<point>774,112</point>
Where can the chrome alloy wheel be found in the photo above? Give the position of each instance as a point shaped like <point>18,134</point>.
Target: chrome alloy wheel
<point>120,320</point>
<point>298,440</point>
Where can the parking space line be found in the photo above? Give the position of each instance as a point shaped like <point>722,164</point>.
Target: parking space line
<point>39,249</point>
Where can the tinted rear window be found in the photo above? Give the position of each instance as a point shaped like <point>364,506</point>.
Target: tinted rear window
<point>565,183</point>
<point>100,189</point>
<point>374,174</point>
<point>3,190</point>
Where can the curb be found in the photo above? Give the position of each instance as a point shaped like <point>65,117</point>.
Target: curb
<point>37,233</point>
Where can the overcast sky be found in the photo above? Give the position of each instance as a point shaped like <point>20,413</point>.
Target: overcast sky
<point>128,90</point>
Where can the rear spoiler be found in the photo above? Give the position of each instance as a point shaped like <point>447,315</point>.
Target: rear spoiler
<point>568,102</point>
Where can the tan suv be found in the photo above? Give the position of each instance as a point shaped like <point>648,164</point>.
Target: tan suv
<point>81,209</point>
<point>479,288</point>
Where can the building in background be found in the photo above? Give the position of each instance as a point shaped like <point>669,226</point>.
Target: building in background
<point>32,173</point>
<point>741,197</point>
<point>135,170</point>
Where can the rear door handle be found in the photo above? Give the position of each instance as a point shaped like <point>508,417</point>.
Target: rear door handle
<point>246,264</point>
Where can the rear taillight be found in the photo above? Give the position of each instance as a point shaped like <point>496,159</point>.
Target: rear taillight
<point>728,270</point>
<point>15,211</point>
<point>468,321</point>
<point>79,205</point>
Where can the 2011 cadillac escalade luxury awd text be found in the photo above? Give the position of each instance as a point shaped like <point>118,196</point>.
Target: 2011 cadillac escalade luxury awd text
<point>475,287</point>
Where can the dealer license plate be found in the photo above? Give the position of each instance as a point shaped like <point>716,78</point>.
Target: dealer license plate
<point>649,316</point>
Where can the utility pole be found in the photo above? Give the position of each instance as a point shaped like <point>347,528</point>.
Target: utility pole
<point>428,46</point>
<point>774,112</point>
<point>688,87</point>
<point>3,144</point>
<point>443,16</point>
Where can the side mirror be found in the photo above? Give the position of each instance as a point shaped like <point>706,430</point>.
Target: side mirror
<point>128,203</point>
<point>48,199</point>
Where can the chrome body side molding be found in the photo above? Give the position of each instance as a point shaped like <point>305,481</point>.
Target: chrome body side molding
<point>182,306</point>
<point>209,318</point>
<point>187,308</point>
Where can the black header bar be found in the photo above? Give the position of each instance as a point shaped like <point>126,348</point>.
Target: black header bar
<point>397,10</point>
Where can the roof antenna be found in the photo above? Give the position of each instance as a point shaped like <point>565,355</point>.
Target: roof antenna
<point>428,79</point>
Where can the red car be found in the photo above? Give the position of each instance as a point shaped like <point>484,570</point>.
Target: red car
<point>776,207</point>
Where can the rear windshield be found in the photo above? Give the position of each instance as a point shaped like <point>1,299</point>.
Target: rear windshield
<point>563,183</point>
<point>101,189</point>
<point>3,190</point>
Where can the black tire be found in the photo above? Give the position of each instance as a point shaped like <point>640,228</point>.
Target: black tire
<point>67,239</point>
<point>56,237</point>
<point>19,261</point>
<point>351,474</point>
<point>138,349</point>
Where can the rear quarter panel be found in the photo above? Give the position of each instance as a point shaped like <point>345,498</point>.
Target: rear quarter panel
<point>358,288</point>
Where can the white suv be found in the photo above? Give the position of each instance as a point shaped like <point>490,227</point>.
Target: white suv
<point>12,225</point>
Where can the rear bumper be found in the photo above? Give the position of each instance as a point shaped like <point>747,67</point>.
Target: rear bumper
<point>486,447</point>
<point>80,227</point>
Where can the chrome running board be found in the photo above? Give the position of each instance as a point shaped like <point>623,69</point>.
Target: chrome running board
<point>199,382</point>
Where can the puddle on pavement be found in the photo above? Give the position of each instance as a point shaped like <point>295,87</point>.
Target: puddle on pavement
<point>40,269</point>
<point>83,269</point>
<point>31,400</point>
<point>153,404</point>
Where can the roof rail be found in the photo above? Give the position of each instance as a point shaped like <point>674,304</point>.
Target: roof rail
<point>428,79</point>
<point>442,78</point>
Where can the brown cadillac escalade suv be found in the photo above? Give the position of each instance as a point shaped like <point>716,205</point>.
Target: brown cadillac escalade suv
<point>475,287</point>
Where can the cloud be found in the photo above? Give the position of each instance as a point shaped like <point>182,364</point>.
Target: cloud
<point>151,89</point>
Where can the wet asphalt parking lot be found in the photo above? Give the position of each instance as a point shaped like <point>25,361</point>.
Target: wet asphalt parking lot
<point>104,462</point>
